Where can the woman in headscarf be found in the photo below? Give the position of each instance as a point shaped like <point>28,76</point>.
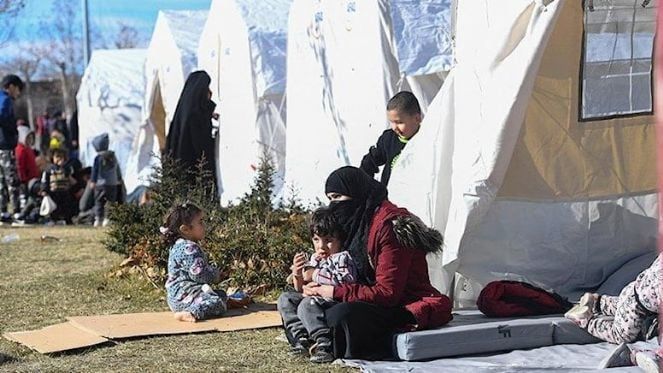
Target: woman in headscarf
<point>190,136</point>
<point>389,246</point>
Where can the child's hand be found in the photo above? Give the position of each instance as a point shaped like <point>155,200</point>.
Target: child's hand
<point>92,184</point>
<point>298,263</point>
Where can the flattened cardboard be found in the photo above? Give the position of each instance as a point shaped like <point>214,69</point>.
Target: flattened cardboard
<point>56,338</point>
<point>162,323</point>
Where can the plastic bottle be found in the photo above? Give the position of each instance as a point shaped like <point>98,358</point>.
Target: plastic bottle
<point>13,237</point>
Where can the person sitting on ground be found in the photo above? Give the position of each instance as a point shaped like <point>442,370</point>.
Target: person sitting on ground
<point>106,179</point>
<point>57,181</point>
<point>26,160</point>
<point>30,212</point>
<point>304,317</point>
<point>620,319</point>
<point>404,116</point>
<point>190,275</point>
<point>389,246</point>
<point>85,198</point>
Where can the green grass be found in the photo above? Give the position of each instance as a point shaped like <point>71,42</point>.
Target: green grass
<point>41,283</point>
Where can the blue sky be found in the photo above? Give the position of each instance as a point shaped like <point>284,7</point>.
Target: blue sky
<point>106,15</point>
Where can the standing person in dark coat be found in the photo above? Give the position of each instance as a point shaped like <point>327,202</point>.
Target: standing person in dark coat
<point>12,86</point>
<point>190,134</point>
<point>58,124</point>
<point>73,133</point>
<point>106,179</point>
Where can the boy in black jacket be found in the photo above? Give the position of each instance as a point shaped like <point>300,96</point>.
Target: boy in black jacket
<point>404,116</point>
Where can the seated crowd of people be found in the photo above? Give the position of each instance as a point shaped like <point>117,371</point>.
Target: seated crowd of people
<point>45,183</point>
<point>78,194</point>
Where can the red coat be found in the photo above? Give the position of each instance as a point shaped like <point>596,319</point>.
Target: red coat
<point>401,275</point>
<point>26,164</point>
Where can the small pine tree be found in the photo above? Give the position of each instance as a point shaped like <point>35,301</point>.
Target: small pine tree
<point>254,241</point>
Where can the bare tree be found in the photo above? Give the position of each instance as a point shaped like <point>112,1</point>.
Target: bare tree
<point>26,62</point>
<point>63,52</point>
<point>9,9</point>
<point>127,37</point>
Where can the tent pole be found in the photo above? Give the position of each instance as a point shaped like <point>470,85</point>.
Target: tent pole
<point>86,32</point>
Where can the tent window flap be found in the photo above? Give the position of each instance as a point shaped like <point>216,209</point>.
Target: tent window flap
<point>616,71</point>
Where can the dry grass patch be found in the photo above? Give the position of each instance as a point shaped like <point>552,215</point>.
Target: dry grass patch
<point>44,282</point>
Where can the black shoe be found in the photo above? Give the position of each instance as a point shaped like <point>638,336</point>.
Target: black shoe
<point>301,347</point>
<point>321,353</point>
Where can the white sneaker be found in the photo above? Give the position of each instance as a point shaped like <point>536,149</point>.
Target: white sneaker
<point>589,300</point>
<point>647,361</point>
<point>97,223</point>
<point>105,223</point>
<point>580,315</point>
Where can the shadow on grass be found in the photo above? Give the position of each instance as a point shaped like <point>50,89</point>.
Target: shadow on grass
<point>6,359</point>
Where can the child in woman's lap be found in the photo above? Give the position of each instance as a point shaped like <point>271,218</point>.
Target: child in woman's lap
<point>304,317</point>
<point>190,274</point>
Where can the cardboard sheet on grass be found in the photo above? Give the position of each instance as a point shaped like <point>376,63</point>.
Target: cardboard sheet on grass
<point>86,331</point>
<point>56,338</point>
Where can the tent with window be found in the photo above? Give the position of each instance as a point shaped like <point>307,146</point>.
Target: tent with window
<point>345,60</point>
<point>243,49</point>
<point>537,157</point>
<point>171,57</point>
<point>109,100</point>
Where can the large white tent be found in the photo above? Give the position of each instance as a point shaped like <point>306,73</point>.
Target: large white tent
<point>171,57</point>
<point>537,157</point>
<point>243,48</point>
<point>345,60</point>
<point>109,100</point>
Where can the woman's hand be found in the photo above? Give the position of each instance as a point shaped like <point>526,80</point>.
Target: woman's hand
<point>313,289</point>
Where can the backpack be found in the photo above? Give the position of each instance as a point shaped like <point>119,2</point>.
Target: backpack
<point>514,298</point>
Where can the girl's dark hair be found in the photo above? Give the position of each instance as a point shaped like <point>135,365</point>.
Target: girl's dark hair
<point>178,215</point>
<point>60,152</point>
<point>323,223</point>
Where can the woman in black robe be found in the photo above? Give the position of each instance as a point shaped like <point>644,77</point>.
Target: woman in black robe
<point>190,136</point>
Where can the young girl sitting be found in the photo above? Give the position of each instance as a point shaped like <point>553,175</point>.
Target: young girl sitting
<point>189,272</point>
<point>304,317</point>
<point>620,319</point>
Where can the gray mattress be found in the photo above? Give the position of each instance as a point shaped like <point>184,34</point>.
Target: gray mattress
<point>473,333</point>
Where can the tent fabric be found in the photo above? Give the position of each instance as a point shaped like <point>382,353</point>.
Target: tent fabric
<point>505,168</point>
<point>243,49</point>
<point>422,33</point>
<point>109,100</point>
<point>171,56</point>
<point>345,60</point>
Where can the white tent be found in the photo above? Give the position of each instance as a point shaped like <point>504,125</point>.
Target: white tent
<point>171,57</point>
<point>243,48</point>
<point>345,60</point>
<point>109,100</point>
<point>537,157</point>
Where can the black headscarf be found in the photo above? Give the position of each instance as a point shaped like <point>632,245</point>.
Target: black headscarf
<point>190,133</point>
<point>356,214</point>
